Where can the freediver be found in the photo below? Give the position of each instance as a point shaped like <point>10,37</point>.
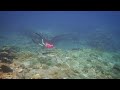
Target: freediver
<point>46,44</point>
<point>42,41</point>
<point>39,39</point>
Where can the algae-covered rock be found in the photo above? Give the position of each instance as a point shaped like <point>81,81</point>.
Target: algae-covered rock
<point>117,67</point>
<point>5,69</point>
<point>7,54</point>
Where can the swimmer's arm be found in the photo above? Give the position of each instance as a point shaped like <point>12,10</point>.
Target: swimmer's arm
<point>43,42</point>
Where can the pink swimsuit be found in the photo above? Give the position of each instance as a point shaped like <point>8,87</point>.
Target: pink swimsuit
<point>48,45</point>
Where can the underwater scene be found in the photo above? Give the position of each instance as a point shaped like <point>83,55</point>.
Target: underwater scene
<point>59,44</point>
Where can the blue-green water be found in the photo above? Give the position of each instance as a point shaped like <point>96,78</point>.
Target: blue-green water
<point>90,47</point>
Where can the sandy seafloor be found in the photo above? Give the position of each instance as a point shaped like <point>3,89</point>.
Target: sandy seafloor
<point>33,62</point>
